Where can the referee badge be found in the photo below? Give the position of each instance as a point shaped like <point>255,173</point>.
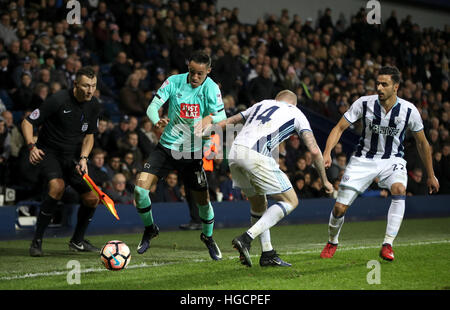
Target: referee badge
<point>35,114</point>
<point>84,127</point>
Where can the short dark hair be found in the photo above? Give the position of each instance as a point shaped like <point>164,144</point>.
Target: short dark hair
<point>86,71</point>
<point>392,71</point>
<point>200,57</point>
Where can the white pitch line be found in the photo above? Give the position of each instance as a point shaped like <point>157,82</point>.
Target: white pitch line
<point>88,270</point>
<point>345,248</point>
<point>145,265</point>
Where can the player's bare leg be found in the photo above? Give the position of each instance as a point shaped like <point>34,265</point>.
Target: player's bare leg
<point>144,181</point>
<point>206,213</point>
<point>394,220</point>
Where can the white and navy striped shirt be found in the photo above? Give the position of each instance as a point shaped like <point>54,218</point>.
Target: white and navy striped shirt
<point>268,123</point>
<point>383,133</point>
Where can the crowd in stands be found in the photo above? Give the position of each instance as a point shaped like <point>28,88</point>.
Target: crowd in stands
<point>135,45</point>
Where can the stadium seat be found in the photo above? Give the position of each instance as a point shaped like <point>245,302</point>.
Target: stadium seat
<point>112,109</point>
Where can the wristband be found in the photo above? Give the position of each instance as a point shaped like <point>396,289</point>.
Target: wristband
<point>31,146</point>
<point>84,157</point>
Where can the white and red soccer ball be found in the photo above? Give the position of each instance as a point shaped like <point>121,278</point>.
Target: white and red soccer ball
<point>115,255</point>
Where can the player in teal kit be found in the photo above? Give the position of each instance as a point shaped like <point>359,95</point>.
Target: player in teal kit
<point>193,98</point>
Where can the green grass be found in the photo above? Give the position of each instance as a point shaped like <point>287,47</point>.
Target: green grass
<point>178,260</point>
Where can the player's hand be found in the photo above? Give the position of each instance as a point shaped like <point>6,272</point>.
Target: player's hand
<point>82,167</point>
<point>328,187</point>
<point>162,123</point>
<point>326,160</point>
<point>36,155</point>
<point>202,126</point>
<point>433,185</point>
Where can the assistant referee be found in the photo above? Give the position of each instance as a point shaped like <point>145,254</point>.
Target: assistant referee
<point>67,122</point>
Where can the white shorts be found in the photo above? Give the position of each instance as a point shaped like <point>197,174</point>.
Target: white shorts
<point>361,172</point>
<point>256,174</point>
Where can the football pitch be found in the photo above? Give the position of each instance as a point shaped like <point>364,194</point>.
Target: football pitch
<point>178,260</point>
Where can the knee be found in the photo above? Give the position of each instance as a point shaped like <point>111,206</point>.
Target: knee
<point>90,200</point>
<point>56,189</point>
<point>398,189</point>
<point>202,198</point>
<point>339,209</point>
<point>293,201</point>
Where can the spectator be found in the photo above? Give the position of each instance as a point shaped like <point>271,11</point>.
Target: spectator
<point>169,190</point>
<point>415,184</point>
<point>7,32</point>
<point>146,127</point>
<point>228,72</point>
<point>293,148</point>
<point>118,191</point>
<point>443,170</point>
<point>299,185</point>
<point>161,64</point>
<point>300,166</point>
<point>226,188</point>
<point>5,148</point>
<point>6,81</point>
<point>132,98</point>
<point>16,138</point>
<point>337,166</point>
<point>261,87</point>
<point>114,165</point>
<point>118,133</point>
<point>140,48</point>
<point>113,46</point>
<point>23,96</point>
<point>121,69</point>
<point>129,167</point>
<point>129,144</point>
<point>96,168</point>
<point>126,45</point>
<point>102,137</point>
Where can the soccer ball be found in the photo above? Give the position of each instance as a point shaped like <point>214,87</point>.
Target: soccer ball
<point>115,255</point>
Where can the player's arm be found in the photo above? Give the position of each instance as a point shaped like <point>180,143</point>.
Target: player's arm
<point>235,119</point>
<point>424,149</point>
<point>205,126</point>
<point>310,142</point>
<point>86,147</point>
<point>36,155</point>
<point>333,139</point>
<point>153,114</point>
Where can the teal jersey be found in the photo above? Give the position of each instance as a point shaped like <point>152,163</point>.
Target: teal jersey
<point>187,106</point>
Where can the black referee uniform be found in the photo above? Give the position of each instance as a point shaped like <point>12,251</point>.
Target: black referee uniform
<point>64,122</point>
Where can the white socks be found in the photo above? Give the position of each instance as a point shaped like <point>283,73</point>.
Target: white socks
<point>264,237</point>
<point>394,218</point>
<point>272,216</point>
<point>334,228</point>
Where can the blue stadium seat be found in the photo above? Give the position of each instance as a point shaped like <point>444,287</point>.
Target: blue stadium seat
<point>112,109</point>
<point>105,68</point>
<point>109,80</point>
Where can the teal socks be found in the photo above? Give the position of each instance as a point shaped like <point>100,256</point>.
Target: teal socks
<point>206,214</point>
<point>143,205</point>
